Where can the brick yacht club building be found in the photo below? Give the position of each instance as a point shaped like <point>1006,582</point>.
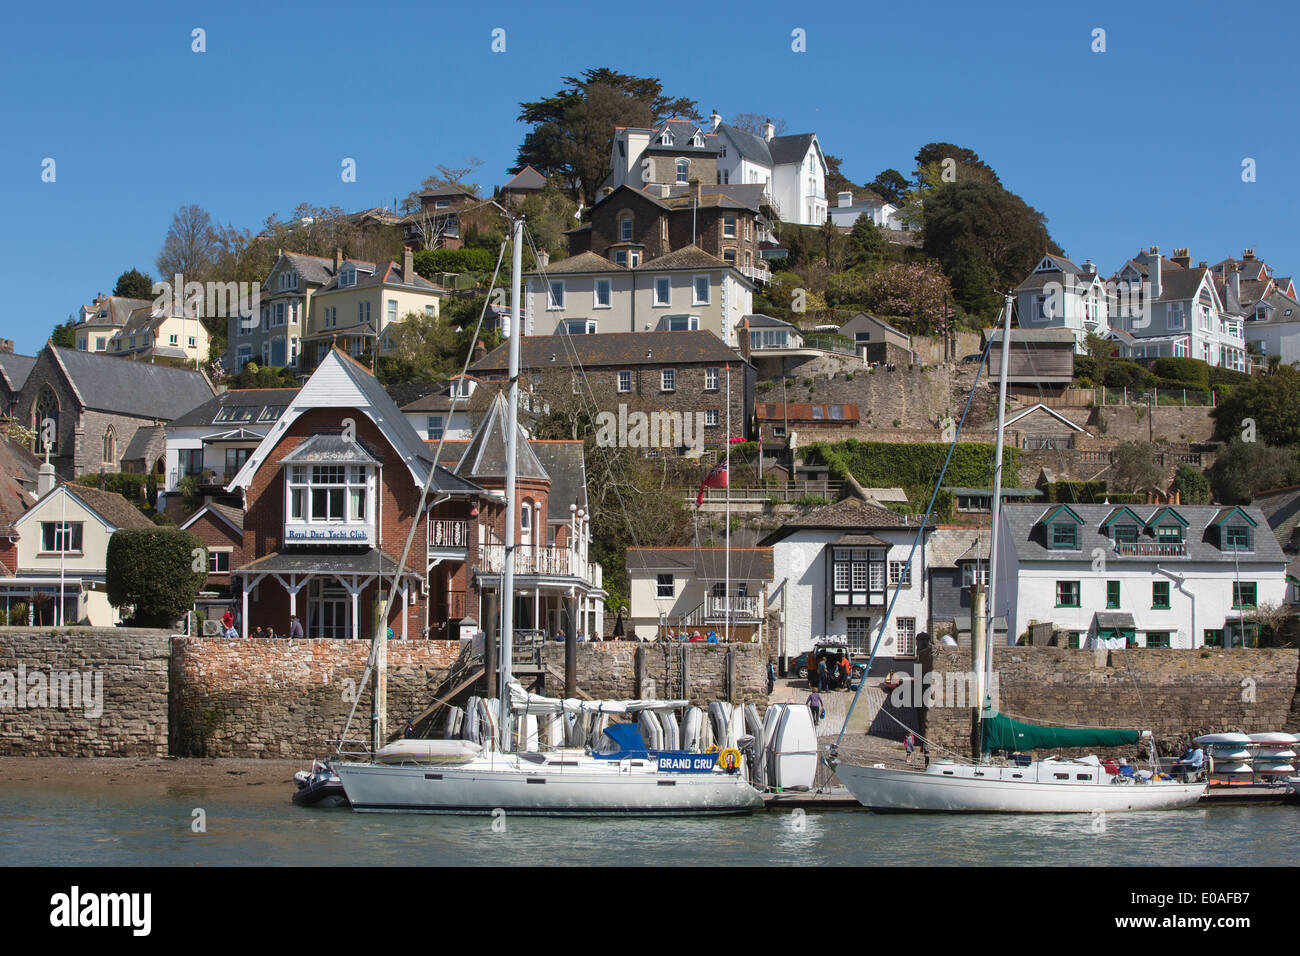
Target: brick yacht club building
<point>332,493</point>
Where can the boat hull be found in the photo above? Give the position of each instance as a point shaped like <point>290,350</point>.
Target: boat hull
<point>879,788</point>
<point>485,788</point>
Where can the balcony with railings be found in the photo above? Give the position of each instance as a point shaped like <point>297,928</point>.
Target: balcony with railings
<point>1154,549</point>
<point>448,538</point>
<point>742,608</point>
<point>541,561</point>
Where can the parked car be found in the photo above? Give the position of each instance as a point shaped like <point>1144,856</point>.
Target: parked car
<point>799,666</point>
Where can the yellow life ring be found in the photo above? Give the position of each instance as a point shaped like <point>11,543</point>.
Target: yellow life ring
<point>729,759</point>
<point>713,748</point>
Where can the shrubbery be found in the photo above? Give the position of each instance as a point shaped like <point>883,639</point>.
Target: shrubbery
<point>152,569</point>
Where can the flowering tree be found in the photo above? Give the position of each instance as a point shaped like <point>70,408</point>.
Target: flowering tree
<point>918,292</point>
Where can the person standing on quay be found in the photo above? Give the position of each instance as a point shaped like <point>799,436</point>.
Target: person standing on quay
<point>295,629</point>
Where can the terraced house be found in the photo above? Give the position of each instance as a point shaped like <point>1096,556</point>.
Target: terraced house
<point>1147,575</point>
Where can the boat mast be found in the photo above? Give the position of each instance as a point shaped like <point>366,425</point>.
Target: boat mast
<point>512,501</point>
<point>726,605</point>
<point>991,610</point>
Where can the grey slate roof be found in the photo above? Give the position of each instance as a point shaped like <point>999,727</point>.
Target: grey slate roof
<point>705,564</point>
<point>1028,537</point>
<point>526,178</point>
<point>683,130</point>
<point>116,309</point>
<point>317,270</point>
<point>621,349</point>
<point>139,389</point>
<point>687,257</point>
<point>15,368</point>
<point>748,145</point>
<point>233,516</point>
<point>789,149</point>
<point>582,262</point>
<point>325,561</point>
<point>563,461</point>
<point>322,449</point>
<point>1281,508</point>
<point>486,455</point>
<point>145,436</point>
<point>258,399</point>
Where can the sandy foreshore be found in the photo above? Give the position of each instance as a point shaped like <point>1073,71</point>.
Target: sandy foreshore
<point>146,772</point>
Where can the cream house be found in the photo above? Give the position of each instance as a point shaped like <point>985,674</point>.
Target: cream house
<point>153,334</point>
<point>358,305</point>
<point>63,540</point>
<point>684,291</point>
<point>675,591</point>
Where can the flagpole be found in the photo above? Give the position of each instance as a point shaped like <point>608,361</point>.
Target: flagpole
<point>726,607</point>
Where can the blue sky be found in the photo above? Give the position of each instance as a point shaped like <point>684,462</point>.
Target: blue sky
<point>1139,145</point>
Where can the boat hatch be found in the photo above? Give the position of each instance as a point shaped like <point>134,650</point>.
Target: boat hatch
<point>533,757</point>
<point>947,773</point>
<point>562,763</point>
<point>433,776</point>
<point>667,783</point>
<point>1061,776</point>
<point>536,780</point>
<point>1083,776</point>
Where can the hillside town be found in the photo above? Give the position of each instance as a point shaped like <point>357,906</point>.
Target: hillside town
<point>727,285</point>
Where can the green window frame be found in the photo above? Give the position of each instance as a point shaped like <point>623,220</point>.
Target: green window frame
<point>1112,594</point>
<point>1245,594</point>
<point>1236,538</point>
<point>1126,533</point>
<point>1169,533</point>
<point>1158,638</point>
<point>1160,595</point>
<point>1212,637</point>
<point>1076,639</point>
<point>1065,535</point>
<point>1067,593</point>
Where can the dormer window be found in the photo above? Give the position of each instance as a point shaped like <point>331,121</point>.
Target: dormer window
<point>1236,538</point>
<point>1169,533</point>
<point>697,140</point>
<point>1062,529</point>
<point>347,277</point>
<point>666,138</point>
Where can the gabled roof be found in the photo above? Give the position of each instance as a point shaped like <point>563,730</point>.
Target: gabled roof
<point>749,146</point>
<point>1040,407</point>
<point>1052,514</point>
<point>683,131</point>
<point>371,274</point>
<point>1159,514</point>
<point>329,449</point>
<point>526,178</point>
<point>1123,510</point>
<point>145,436</point>
<point>565,463</point>
<point>339,381</point>
<point>1227,513</point>
<point>485,457</point>
<point>115,310</point>
<point>112,509</point>
<point>234,517</point>
<point>139,389</point>
<point>788,150</point>
<point>14,369</point>
<point>847,515</point>
<point>316,270</point>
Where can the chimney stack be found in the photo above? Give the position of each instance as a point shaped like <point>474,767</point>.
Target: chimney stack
<point>1248,255</point>
<point>543,258</point>
<point>1183,257</point>
<point>768,131</point>
<point>338,259</point>
<point>45,480</point>
<point>408,265</point>
<point>845,199</point>
<point>1153,272</point>
<point>714,120</point>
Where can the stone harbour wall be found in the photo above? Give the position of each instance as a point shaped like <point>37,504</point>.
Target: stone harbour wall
<point>284,698</point>
<point>83,692</point>
<point>610,670</point>
<point>1176,694</point>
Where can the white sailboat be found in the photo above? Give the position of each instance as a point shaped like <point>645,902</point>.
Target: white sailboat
<point>1027,786</point>
<point>423,777</point>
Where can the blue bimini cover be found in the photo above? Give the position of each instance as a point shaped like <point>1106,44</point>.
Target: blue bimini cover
<point>622,741</point>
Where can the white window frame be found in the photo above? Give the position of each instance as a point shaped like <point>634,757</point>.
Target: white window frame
<point>712,378</point>
<point>666,301</point>
<point>668,380</point>
<point>625,380</point>
<point>695,290</point>
<point>608,286</point>
<point>554,303</point>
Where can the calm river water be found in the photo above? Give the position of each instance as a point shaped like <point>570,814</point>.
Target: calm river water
<point>95,826</point>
